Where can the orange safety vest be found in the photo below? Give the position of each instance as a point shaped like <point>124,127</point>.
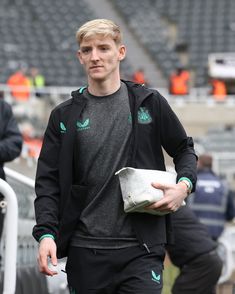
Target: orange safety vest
<point>138,77</point>
<point>19,80</point>
<point>179,83</point>
<point>219,90</point>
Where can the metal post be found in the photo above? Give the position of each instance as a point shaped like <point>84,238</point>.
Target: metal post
<point>11,227</point>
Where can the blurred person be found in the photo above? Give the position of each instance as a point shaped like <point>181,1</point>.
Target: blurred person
<point>37,80</point>
<point>107,125</point>
<point>219,89</point>
<point>10,143</point>
<point>195,254</point>
<point>179,82</point>
<point>19,84</point>
<point>213,200</point>
<point>139,77</point>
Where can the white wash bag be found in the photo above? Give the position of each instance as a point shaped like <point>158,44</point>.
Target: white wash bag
<point>137,191</point>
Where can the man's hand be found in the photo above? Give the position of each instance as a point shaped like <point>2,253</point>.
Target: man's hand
<point>174,195</point>
<point>47,249</point>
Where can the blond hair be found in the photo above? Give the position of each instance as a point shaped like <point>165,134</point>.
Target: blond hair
<point>103,27</point>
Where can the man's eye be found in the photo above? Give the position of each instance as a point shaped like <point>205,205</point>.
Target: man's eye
<point>85,50</point>
<point>104,48</point>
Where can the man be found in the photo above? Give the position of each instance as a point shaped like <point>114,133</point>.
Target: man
<point>179,82</point>
<point>108,125</point>
<point>10,143</point>
<point>212,201</point>
<point>195,254</point>
<point>19,85</point>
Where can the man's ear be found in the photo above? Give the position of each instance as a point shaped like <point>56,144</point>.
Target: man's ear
<point>122,52</point>
<point>79,56</point>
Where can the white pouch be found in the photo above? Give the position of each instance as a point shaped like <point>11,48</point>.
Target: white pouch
<point>137,191</point>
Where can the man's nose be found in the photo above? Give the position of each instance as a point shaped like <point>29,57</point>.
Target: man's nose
<point>94,55</point>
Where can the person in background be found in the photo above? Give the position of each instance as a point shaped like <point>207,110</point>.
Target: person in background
<point>139,77</point>
<point>219,89</point>
<point>10,143</point>
<point>105,126</point>
<point>179,82</point>
<point>37,81</point>
<point>212,201</point>
<point>19,85</point>
<point>194,253</point>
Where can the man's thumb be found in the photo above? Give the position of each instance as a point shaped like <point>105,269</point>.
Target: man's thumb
<point>54,259</point>
<point>158,186</point>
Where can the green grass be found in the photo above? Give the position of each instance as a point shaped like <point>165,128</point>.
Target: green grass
<point>169,274</point>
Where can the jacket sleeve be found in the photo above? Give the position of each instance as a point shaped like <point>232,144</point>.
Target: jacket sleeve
<point>10,136</point>
<point>177,144</point>
<point>47,183</point>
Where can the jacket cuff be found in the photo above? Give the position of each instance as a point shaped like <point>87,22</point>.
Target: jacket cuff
<point>188,180</point>
<point>46,236</point>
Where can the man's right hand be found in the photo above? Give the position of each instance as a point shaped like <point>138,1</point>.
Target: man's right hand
<point>47,249</point>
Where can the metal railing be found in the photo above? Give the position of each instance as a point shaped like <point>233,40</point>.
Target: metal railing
<point>11,225</point>
<point>24,244</point>
<point>56,94</point>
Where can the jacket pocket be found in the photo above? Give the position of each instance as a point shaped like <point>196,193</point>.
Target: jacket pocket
<point>70,217</point>
<point>75,203</point>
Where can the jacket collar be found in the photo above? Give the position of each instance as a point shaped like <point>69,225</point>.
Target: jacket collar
<point>136,91</point>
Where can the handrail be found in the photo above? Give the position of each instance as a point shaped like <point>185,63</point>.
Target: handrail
<point>59,93</point>
<point>19,177</point>
<point>11,223</point>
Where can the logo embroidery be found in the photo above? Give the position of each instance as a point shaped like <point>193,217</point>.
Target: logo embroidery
<point>62,127</point>
<point>81,126</point>
<point>156,278</point>
<point>143,116</point>
<point>72,291</point>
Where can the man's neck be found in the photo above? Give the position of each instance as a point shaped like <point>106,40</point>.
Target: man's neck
<point>103,88</point>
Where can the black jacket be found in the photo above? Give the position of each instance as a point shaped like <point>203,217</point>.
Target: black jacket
<point>60,200</point>
<point>10,136</point>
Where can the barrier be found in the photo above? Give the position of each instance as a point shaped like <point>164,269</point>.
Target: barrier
<point>11,225</point>
<point>27,278</point>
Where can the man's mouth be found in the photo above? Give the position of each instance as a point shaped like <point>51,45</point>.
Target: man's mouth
<point>95,67</point>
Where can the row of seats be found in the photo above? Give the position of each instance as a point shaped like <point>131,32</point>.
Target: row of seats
<point>203,26</point>
<point>43,35</point>
<point>39,34</point>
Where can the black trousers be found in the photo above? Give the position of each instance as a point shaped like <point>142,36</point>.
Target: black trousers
<point>130,270</point>
<point>200,275</point>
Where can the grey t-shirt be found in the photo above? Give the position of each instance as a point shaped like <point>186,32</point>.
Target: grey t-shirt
<point>103,140</point>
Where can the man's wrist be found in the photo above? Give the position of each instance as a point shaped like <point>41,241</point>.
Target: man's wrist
<point>187,183</point>
<point>46,236</point>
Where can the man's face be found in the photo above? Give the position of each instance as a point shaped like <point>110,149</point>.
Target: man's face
<point>100,57</point>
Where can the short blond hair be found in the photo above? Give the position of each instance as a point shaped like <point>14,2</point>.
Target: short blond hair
<point>103,27</point>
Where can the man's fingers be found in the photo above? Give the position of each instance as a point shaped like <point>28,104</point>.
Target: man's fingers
<point>47,250</point>
<point>53,259</point>
<point>157,185</point>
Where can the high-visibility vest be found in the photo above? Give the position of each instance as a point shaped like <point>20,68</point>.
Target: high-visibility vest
<point>219,90</point>
<point>20,86</point>
<point>139,77</point>
<point>179,83</point>
<point>37,81</point>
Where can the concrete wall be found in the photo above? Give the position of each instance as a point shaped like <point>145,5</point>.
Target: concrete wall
<point>197,118</point>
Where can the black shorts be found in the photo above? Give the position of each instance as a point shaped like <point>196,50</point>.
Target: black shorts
<point>130,270</point>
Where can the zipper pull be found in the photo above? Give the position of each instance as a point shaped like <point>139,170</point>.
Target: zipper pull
<point>146,247</point>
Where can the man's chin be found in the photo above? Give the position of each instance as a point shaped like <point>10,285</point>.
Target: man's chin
<point>97,77</point>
